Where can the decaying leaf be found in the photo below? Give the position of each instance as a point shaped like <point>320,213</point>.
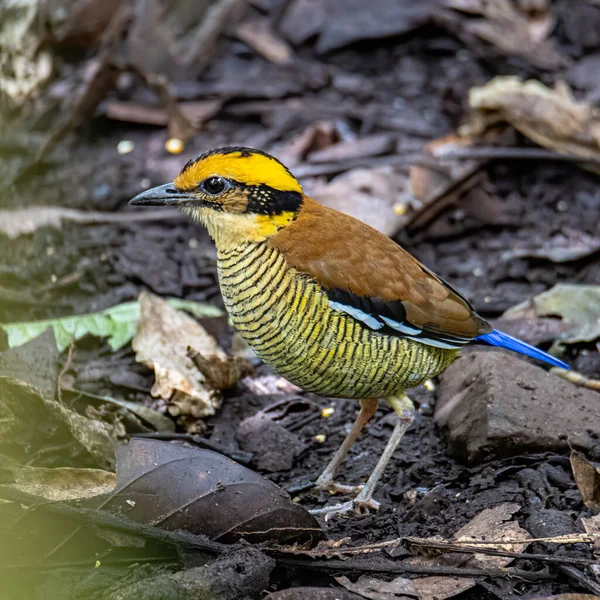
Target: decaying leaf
<point>161,343</point>
<point>551,118</point>
<point>577,305</point>
<point>61,483</point>
<point>494,524</point>
<point>376,589</point>
<point>23,67</point>
<point>117,324</point>
<point>23,406</point>
<point>450,180</point>
<point>565,246</point>
<point>370,145</point>
<point>22,221</point>
<point>318,136</point>
<point>145,415</point>
<point>587,478</point>
<point>176,487</point>
<point>490,524</point>
<point>258,34</point>
<point>510,30</point>
<point>370,195</point>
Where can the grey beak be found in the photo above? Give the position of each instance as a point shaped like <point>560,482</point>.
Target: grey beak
<point>163,195</point>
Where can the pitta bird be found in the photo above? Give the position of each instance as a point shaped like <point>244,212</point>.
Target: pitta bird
<point>334,306</point>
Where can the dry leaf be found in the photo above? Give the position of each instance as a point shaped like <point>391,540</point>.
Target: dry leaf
<point>565,246</point>
<point>317,136</point>
<point>551,118</point>
<point>370,145</point>
<point>177,487</point>
<point>490,524</point>
<point>577,305</point>
<point>61,483</point>
<point>376,589</point>
<point>493,524</point>
<point>510,30</point>
<point>587,478</point>
<point>258,34</point>
<point>591,525</point>
<point>370,195</point>
<point>161,342</point>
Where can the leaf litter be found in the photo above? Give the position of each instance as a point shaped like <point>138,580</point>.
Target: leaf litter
<point>162,342</point>
<point>118,324</point>
<point>577,305</point>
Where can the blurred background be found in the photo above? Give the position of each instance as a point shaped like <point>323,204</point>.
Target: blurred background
<point>466,130</point>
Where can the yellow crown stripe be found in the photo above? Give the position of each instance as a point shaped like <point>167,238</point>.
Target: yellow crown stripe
<point>249,169</point>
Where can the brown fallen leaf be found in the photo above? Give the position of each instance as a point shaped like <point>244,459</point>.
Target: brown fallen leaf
<point>317,136</point>
<point>197,112</point>
<point>258,34</point>
<point>371,145</point>
<point>377,589</point>
<point>177,487</point>
<point>442,186</point>
<point>587,478</point>
<point>60,483</point>
<point>508,29</point>
<point>577,305</point>
<point>565,246</point>
<point>489,524</point>
<point>22,221</point>
<point>551,118</point>
<point>161,342</point>
<point>570,597</point>
<point>375,196</point>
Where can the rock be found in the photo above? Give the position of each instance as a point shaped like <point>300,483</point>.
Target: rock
<point>493,403</point>
<point>274,447</point>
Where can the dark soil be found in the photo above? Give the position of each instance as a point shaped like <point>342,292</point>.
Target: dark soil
<point>425,75</point>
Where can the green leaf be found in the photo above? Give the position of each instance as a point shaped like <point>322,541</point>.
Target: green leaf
<point>117,324</point>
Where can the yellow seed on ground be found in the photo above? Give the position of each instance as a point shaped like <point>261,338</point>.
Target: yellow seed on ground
<point>320,438</point>
<point>429,385</point>
<point>327,411</point>
<point>174,146</point>
<point>98,563</point>
<point>125,147</point>
<point>399,208</point>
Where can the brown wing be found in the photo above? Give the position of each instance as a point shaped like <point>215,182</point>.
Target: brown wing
<point>362,268</point>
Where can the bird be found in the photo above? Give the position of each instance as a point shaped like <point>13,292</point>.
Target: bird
<point>331,304</point>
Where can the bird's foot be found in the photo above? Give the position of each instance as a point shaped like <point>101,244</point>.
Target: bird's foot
<point>333,487</point>
<point>358,506</point>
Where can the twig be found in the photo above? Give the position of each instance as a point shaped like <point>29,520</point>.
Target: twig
<point>452,547</point>
<point>390,566</point>
<point>510,153</point>
<point>577,378</point>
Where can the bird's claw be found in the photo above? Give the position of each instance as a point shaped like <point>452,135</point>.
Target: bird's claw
<point>358,506</point>
<point>333,487</point>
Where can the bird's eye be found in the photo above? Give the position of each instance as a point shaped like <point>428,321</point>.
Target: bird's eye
<point>213,185</point>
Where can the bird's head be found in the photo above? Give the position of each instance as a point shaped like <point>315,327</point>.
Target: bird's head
<point>239,194</point>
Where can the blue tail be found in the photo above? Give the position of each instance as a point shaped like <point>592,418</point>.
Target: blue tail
<point>503,340</point>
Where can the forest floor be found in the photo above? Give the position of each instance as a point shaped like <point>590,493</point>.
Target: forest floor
<point>349,101</point>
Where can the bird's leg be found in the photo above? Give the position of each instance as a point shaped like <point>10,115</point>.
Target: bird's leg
<point>325,481</point>
<point>406,412</point>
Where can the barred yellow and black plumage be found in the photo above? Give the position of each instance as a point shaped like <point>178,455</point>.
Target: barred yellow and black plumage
<point>286,318</point>
<point>331,304</point>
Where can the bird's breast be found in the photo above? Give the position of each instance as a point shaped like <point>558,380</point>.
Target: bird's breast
<point>287,320</point>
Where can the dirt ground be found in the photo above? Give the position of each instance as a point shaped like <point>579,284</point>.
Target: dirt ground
<point>409,81</point>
